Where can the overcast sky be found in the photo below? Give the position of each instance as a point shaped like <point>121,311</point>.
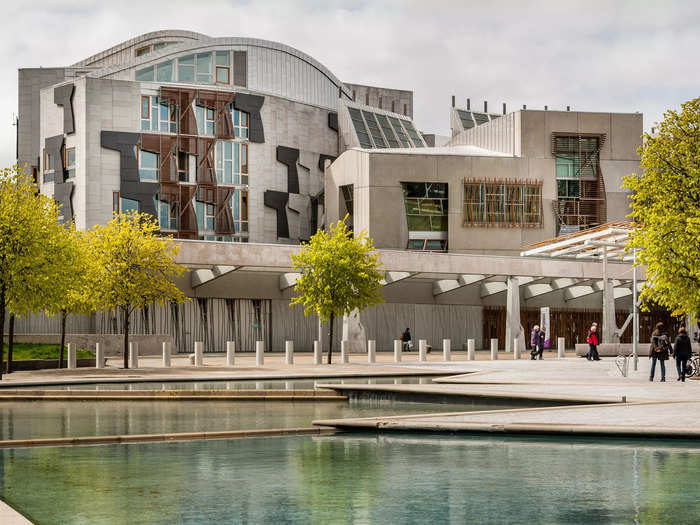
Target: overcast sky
<point>622,56</point>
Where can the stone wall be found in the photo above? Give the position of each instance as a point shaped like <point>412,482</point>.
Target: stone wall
<point>149,344</point>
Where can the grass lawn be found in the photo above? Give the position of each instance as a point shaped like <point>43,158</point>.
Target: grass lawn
<point>27,351</point>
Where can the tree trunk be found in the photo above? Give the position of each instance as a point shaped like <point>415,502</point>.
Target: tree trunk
<point>125,311</point>
<point>330,343</point>
<point>2,327</point>
<point>10,342</point>
<point>63,338</point>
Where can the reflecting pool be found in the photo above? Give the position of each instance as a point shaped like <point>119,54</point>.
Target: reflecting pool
<point>44,419</point>
<point>265,384</point>
<point>357,479</point>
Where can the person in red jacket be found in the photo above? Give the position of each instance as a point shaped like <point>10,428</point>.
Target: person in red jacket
<point>592,340</point>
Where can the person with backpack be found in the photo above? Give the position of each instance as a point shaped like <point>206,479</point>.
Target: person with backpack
<point>592,340</point>
<point>682,351</point>
<point>659,350</point>
<point>535,342</point>
<point>406,341</point>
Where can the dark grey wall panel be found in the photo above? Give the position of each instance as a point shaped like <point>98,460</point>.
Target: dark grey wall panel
<point>130,185</point>
<point>322,160</point>
<point>333,121</point>
<point>289,157</point>
<point>63,96</point>
<point>240,68</point>
<point>62,190</point>
<point>252,104</point>
<point>277,200</point>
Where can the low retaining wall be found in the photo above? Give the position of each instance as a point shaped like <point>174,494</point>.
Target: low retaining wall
<point>112,344</point>
<point>615,349</point>
<point>42,364</point>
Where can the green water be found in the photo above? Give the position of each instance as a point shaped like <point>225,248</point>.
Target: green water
<point>44,419</point>
<point>392,479</point>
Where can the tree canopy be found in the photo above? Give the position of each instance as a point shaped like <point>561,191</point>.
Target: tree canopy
<point>339,274</point>
<point>666,211</point>
<point>134,266</point>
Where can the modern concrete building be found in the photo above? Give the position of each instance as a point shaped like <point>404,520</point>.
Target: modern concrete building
<point>240,140</point>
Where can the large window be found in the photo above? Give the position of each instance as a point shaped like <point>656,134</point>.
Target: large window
<point>223,67</point>
<point>69,162</point>
<point>168,213</point>
<point>205,215</point>
<point>49,167</point>
<point>239,209</point>
<point>196,68</point>
<point>240,123</point>
<point>568,189</point>
<point>148,166</point>
<point>185,69</point>
<point>205,120</point>
<point>426,215</point>
<point>158,116</point>
<point>231,162</point>
<point>164,71</point>
<point>503,203</point>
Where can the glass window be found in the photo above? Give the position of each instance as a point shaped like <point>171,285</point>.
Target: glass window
<point>223,75</point>
<point>115,202</point>
<point>565,167</point>
<point>412,133</point>
<point>204,69</point>
<point>205,120</point>
<point>70,162</point>
<point>502,203</point>
<point>360,129</point>
<point>146,110</point>
<point>403,139</point>
<point>223,58</point>
<point>48,167</point>
<point>164,71</point>
<point>224,162</point>
<point>127,205</point>
<point>158,115</point>
<point>239,210</point>
<point>388,132</point>
<point>145,74</point>
<point>373,128</point>
<point>240,123</point>
<point>148,166</point>
<point>143,51</point>
<point>426,206</point>
<point>168,214</point>
<point>205,215</point>
<point>160,45</point>
<point>185,69</point>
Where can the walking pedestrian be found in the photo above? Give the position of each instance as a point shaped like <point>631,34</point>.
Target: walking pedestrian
<point>682,351</point>
<point>406,341</point>
<point>540,347</point>
<point>592,340</point>
<point>534,342</point>
<point>659,349</point>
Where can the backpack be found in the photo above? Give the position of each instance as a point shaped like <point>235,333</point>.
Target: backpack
<point>665,344</point>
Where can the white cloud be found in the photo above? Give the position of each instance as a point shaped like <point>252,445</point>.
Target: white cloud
<point>592,55</point>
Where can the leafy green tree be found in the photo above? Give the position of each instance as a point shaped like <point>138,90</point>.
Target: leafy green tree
<point>339,274</point>
<point>666,211</point>
<point>134,267</point>
<point>74,280</point>
<point>29,228</point>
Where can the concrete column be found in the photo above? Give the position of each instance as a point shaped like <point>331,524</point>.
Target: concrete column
<point>609,322</point>
<point>561,343</point>
<point>514,330</point>
<point>166,354</point>
<point>198,353</point>
<point>289,352</point>
<point>344,351</point>
<point>72,362</point>
<point>516,349</point>
<point>371,351</point>
<point>230,353</point>
<point>422,349</point>
<point>446,350</point>
<point>471,355</point>
<point>318,353</point>
<point>99,356</point>
<point>494,349</point>
<point>323,334</point>
<point>397,351</point>
<point>259,353</point>
<point>354,333</point>
<point>134,355</point>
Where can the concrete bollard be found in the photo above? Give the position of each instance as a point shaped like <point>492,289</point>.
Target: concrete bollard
<point>494,349</point>
<point>344,357</point>
<point>397,351</point>
<point>516,349</point>
<point>230,353</point>
<point>446,350</point>
<point>471,354</point>
<point>422,349</point>
<point>99,356</point>
<point>259,353</point>
<point>166,354</point>
<point>289,352</point>
<point>134,355</point>
<point>72,362</point>
<point>561,342</point>
<point>199,353</point>
<point>318,355</point>
<point>371,351</point>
